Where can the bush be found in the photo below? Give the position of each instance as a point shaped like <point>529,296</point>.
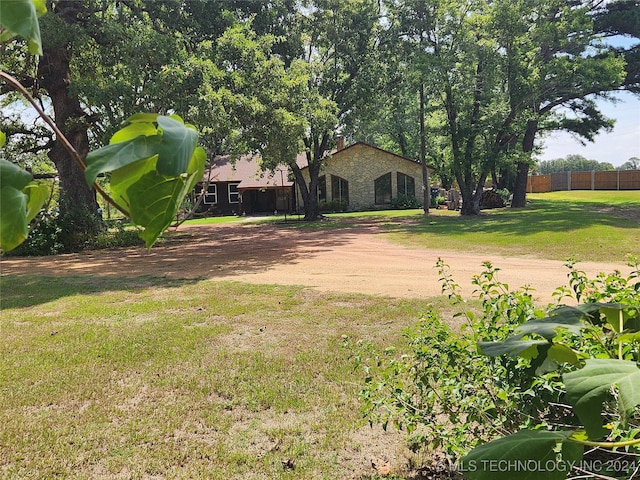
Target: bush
<point>333,206</point>
<point>43,239</point>
<point>451,397</point>
<point>405,202</point>
<point>46,237</point>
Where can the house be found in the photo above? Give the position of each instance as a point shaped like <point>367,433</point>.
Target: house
<point>242,187</point>
<point>357,177</point>
<point>365,177</point>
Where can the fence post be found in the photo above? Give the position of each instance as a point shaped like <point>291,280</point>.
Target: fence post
<point>569,181</point>
<point>618,178</point>
<point>593,179</point>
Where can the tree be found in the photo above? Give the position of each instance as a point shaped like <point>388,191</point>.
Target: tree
<point>572,163</point>
<point>555,70</point>
<point>288,106</point>
<point>153,162</point>
<point>632,164</point>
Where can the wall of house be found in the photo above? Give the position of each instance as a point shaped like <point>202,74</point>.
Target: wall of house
<point>361,165</point>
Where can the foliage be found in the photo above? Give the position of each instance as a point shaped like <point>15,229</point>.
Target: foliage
<point>405,202</point>
<point>21,199</point>
<point>333,206</point>
<point>505,195</point>
<point>593,350</point>
<point>442,390</point>
<point>572,163</point>
<point>449,398</point>
<point>20,17</point>
<point>154,162</point>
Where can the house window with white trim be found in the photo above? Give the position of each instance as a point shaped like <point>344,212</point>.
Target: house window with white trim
<point>211,195</point>
<point>234,195</point>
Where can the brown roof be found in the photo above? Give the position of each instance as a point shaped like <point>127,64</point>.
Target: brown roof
<point>247,171</point>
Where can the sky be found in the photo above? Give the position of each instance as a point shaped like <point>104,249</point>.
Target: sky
<point>615,147</point>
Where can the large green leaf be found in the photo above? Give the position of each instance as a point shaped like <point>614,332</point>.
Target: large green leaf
<point>176,148</point>
<point>118,155</point>
<point>590,386</point>
<point>526,455</point>
<point>155,198</point>
<point>20,17</point>
<point>37,195</point>
<point>547,328</point>
<point>20,200</point>
<point>13,218</point>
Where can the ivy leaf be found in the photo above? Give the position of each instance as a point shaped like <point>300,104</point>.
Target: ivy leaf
<point>176,148</point>
<point>20,17</point>
<point>526,455</point>
<point>590,386</point>
<point>166,194</point>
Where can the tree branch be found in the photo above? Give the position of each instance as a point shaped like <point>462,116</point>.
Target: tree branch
<point>70,149</point>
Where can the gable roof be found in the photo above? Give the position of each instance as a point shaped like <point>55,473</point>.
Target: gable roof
<point>246,170</point>
<point>301,160</point>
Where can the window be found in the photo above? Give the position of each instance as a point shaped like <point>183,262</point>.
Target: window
<point>211,195</point>
<point>383,189</point>
<point>322,188</point>
<point>339,189</point>
<point>234,195</point>
<point>406,185</point>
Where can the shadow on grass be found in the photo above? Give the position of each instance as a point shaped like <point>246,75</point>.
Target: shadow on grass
<point>538,218</point>
<point>19,291</point>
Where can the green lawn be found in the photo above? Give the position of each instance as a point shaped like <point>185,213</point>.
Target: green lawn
<point>150,378</point>
<point>589,226</point>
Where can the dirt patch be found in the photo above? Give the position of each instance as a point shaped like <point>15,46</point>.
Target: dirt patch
<point>358,259</point>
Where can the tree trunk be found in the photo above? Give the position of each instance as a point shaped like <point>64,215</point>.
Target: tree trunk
<point>426,190</point>
<point>78,205</point>
<point>522,174</point>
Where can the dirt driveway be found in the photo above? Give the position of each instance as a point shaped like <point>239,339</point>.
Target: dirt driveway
<point>358,259</point>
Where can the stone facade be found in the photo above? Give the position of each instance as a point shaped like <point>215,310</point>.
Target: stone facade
<point>360,165</point>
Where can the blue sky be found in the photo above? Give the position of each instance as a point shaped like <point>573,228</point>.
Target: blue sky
<point>615,147</point>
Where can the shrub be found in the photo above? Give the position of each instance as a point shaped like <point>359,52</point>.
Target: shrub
<point>450,396</point>
<point>404,202</point>
<point>333,206</point>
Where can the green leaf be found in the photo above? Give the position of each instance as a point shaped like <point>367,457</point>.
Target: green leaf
<point>565,318</point>
<point>590,386</point>
<point>12,175</point>
<point>176,148</point>
<point>132,131</point>
<point>526,455</point>
<point>155,198</point>
<point>13,214</point>
<point>3,139</point>
<point>142,118</point>
<point>20,17</point>
<point>13,218</point>
<point>118,155</point>
<point>37,195</point>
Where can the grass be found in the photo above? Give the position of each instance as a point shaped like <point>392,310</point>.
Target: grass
<point>136,378</point>
<point>587,226</point>
<point>584,225</point>
<point>147,377</point>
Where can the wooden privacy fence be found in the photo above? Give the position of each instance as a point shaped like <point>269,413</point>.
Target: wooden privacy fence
<point>607,180</point>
